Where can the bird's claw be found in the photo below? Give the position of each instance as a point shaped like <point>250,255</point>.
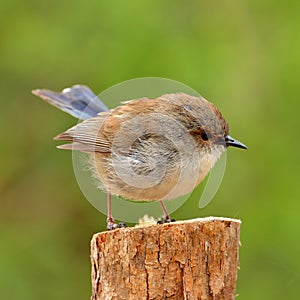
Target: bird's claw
<point>111,225</point>
<point>166,220</point>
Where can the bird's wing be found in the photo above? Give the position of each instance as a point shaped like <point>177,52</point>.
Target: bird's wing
<point>87,136</point>
<point>116,129</point>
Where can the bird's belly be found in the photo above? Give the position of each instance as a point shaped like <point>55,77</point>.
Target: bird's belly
<point>176,181</point>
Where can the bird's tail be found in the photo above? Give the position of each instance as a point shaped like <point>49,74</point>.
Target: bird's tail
<point>78,101</point>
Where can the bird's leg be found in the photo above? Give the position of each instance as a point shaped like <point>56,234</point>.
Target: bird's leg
<point>167,218</point>
<point>110,222</point>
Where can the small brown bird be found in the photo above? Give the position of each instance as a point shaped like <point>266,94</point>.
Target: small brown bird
<point>145,149</point>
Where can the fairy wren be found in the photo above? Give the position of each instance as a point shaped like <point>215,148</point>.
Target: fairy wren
<point>146,149</point>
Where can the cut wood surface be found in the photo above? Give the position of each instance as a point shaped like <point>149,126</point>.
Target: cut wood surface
<point>194,259</point>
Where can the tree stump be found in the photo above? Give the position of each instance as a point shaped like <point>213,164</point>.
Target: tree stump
<point>194,259</point>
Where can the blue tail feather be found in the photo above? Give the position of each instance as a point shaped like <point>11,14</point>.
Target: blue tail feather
<point>78,101</point>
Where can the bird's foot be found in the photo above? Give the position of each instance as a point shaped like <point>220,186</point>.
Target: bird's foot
<point>166,220</point>
<point>111,225</point>
<point>122,225</point>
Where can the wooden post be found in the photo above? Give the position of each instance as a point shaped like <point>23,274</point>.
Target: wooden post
<point>194,259</point>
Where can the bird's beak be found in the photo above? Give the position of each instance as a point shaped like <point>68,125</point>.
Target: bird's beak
<point>234,143</point>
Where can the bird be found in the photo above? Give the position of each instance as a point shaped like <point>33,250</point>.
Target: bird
<point>145,149</point>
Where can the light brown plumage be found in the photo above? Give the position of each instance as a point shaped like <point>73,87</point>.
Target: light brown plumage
<point>106,139</point>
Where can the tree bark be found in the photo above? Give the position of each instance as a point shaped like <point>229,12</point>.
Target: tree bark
<point>194,259</point>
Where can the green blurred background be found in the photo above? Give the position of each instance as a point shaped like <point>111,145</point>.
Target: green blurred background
<point>241,55</point>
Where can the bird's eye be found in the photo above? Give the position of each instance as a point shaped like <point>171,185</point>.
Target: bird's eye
<point>204,136</point>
